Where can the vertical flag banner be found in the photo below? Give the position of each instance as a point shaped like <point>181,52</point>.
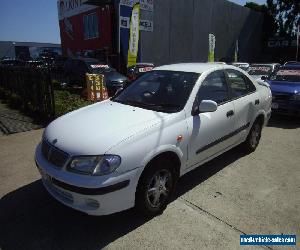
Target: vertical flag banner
<point>236,50</point>
<point>211,47</point>
<point>298,38</point>
<point>134,35</point>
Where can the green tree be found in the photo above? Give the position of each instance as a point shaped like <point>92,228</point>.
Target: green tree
<point>281,16</point>
<point>287,14</point>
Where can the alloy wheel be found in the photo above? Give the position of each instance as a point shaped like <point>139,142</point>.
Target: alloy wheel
<point>159,188</point>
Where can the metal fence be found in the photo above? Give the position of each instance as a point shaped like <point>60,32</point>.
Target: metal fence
<point>32,87</point>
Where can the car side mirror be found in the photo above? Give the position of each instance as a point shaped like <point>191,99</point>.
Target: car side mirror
<point>264,78</point>
<point>208,106</point>
<point>205,106</point>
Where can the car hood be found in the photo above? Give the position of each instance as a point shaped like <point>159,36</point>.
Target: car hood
<point>285,87</point>
<point>97,128</point>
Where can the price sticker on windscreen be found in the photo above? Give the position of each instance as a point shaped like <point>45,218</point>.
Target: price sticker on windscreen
<point>264,69</point>
<point>145,69</point>
<point>96,66</point>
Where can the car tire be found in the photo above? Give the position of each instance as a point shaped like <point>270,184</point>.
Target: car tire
<point>155,188</point>
<point>253,138</point>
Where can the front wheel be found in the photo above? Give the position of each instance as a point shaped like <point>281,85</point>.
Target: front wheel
<point>253,137</point>
<point>155,189</point>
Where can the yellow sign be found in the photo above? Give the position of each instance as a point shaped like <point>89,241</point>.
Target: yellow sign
<point>236,51</point>
<point>96,90</point>
<point>211,47</point>
<point>134,35</point>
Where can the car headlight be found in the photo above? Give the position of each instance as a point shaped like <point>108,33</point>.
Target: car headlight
<point>296,96</point>
<point>95,165</point>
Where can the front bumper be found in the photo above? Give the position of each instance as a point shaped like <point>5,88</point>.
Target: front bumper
<point>93,195</point>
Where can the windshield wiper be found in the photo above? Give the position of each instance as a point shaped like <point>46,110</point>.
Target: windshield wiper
<point>135,103</point>
<point>153,106</point>
<point>166,106</point>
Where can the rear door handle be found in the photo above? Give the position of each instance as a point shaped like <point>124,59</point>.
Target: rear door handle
<point>230,113</point>
<point>256,102</point>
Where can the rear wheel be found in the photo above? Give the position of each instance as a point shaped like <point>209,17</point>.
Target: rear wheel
<point>253,137</point>
<point>155,188</point>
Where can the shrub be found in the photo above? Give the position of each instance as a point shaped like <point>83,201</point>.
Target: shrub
<point>66,102</point>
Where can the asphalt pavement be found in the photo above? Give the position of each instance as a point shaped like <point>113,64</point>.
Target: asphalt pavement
<point>231,195</point>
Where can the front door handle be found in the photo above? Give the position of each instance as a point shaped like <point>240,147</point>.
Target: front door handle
<point>256,102</point>
<point>230,113</point>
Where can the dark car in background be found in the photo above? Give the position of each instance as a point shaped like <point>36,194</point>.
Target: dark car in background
<point>285,87</point>
<point>34,64</point>
<point>292,63</point>
<point>241,65</point>
<point>139,69</point>
<point>12,62</point>
<point>76,68</point>
<point>262,71</point>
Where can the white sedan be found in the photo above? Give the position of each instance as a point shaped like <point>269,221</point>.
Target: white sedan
<point>130,150</point>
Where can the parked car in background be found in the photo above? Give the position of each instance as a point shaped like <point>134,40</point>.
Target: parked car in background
<point>292,63</point>
<point>76,68</point>
<point>130,150</point>
<point>35,64</point>
<point>12,62</point>
<point>262,71</point>
<point>241,65</point>
<point>285,86</point>
<point>139,69</point>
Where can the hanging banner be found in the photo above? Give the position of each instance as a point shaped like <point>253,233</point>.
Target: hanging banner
<point>144,4</point>
<point>211,47</point>
<point>236,50</point>
<point>298,41</point>
<point>145,25</point>
<point>134,35</point>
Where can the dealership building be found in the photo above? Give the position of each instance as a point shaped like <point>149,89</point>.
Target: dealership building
<point>170,30</point>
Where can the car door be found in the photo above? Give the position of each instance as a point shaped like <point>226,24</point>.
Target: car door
<point>245,100</point>
<point>209,132</point>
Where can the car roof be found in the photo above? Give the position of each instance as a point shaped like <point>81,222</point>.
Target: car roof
<point>244,63</point>
<point>291,66</point>
<point>141,64</point>
<point>266,64</point>
<point>194,67</point>
<point>292,63</point>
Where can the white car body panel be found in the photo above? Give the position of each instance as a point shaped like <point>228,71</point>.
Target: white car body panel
<point>202,125</point>
<point>138,135</point>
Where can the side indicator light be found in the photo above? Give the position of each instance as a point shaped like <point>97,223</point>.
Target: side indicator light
<point>179,138</point>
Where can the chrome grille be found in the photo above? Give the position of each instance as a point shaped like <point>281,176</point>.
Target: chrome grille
<point>54,155</point>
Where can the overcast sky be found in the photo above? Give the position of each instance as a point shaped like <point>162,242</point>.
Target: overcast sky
<point>36,20</point>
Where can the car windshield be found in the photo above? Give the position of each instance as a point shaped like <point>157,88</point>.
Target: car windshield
<point>259,70</point>
<point>163,91</point>
<point>287,75</point>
